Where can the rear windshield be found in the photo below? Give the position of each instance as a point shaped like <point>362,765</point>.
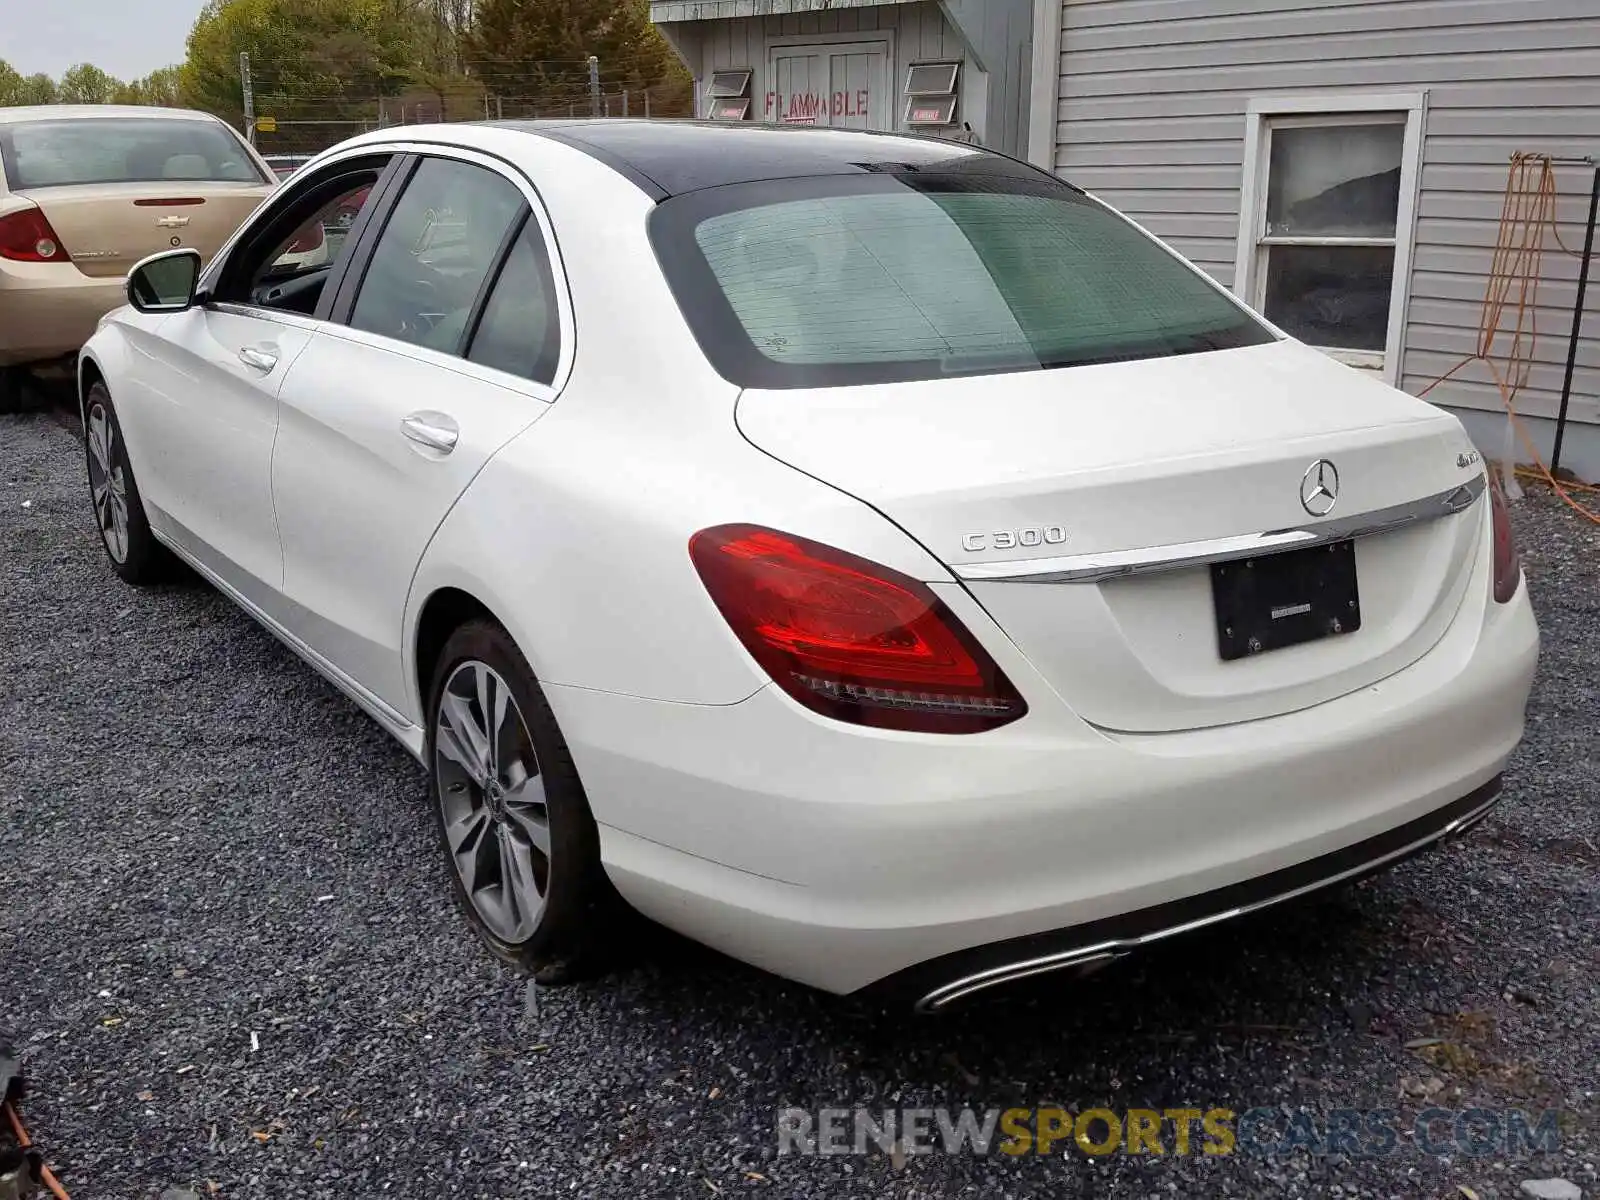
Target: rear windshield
<point>123,150</point>
<point>887,277</point>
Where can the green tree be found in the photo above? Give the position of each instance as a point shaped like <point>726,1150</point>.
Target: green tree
<point>302,52</point>
<point>88,84</point>
<point>10,83</point>
<point>539,47</point>
<point>159,89</point>
<point>32,89</point>
<point>38,88</point>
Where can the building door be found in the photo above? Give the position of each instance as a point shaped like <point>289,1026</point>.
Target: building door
<point>845,86</point>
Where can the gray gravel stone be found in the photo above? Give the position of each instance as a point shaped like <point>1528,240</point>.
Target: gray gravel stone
<point>203,841</point>
<point>1551,1189</point>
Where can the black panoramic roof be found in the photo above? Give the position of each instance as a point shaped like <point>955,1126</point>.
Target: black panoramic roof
<point>668,158</point>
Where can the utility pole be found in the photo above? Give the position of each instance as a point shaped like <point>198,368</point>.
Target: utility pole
<point>249,98</point>
<point>624,101</point>
<point>594,86</point>
<point>646,104</point>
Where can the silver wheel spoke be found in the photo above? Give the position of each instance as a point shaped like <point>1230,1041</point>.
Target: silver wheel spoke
<point>97,440</point>
<point>520,887</point>
<point>494,701</point>
<point>102,504</point>
<point>466,836</point>
<point>460,740</point>
<point>516,877</point>
<point>119,502</point>
<point>525,809</point>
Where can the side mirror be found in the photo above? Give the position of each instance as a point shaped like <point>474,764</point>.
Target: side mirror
<point>165,282</point>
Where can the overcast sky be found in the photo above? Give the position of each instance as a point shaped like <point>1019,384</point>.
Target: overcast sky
<point>128,38</point>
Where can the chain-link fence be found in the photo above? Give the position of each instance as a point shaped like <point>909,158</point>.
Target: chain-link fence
<point>296,119</point>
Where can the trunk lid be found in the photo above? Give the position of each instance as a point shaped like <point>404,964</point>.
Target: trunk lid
<point>107,227</point>
<point>1127,456</point>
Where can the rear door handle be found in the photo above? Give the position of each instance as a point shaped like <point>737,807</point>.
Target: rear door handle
<point>261,360</point>
<point>435,430</point>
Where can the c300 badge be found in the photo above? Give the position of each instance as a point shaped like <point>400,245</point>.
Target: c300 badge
<point>1010,539</point>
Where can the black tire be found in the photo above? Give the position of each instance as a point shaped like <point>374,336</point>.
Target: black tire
<point>574,932</point>
<point>137,557</point>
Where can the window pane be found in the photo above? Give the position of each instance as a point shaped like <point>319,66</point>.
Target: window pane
<point>917,277</point>
<point>435,253</point>
<point>320,239</point>
<point>520,331</point>
<point>123,150</point>
<point>1335,181</point>
<point>1335,296</point>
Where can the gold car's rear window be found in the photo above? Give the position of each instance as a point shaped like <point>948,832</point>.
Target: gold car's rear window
<point>90,150</point>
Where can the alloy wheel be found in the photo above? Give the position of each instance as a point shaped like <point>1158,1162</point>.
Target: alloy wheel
<point>491,793</point>
<point>108,483</point>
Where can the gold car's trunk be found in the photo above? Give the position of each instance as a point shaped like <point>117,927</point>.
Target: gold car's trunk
<point>106,228</point>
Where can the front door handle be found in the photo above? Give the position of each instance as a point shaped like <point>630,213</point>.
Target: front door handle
<point>261,360</point>
<point>435,430</point>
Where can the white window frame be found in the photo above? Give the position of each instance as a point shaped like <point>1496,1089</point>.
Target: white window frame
<point>717,92</point>
<point>1249,272</point>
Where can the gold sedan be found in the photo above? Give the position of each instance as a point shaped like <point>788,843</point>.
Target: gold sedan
<point>86,191</point>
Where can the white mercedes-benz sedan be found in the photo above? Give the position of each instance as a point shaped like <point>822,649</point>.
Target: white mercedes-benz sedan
<point>868,555</point>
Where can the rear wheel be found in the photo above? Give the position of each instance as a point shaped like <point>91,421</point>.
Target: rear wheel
<point>516,831</point>
<point>118,512</point>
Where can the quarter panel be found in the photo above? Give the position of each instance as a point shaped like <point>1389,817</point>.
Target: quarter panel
<point>577,537</point>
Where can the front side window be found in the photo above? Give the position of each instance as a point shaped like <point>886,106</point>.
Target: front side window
<point>888,277</point>
<point>92,150</point>
<point>320,238</point>
<point>287,255</point>
<point>438,247</point>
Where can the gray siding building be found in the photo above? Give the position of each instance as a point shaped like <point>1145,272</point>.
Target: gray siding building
<point>1222,125</point>
<point>1341,164</point>
<point>850,64</point>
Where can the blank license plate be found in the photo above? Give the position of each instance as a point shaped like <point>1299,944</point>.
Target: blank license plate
<point>1281,600</point>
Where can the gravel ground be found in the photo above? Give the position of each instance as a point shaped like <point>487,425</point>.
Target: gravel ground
<point>227,944</point>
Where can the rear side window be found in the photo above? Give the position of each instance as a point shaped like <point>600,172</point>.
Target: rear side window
<point>884,277</point>
<point>41,154</point>
<point>519,331</point>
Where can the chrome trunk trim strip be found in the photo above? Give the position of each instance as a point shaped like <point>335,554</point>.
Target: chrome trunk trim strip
<point>1178,556</point>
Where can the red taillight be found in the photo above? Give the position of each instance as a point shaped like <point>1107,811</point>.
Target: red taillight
<point>849,638</point>
<point>1507,560</point>
<point>27,237</point>
<point>307,240</point>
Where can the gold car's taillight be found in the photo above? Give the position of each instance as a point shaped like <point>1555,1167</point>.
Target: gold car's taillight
<point>26,236</point>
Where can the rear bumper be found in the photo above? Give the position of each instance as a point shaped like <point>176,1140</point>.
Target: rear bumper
<point>49,310</point>
<point>843,857</point>
<point>943,982</point>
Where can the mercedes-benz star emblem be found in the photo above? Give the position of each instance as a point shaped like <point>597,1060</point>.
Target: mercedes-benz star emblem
<point>1319,488</point>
